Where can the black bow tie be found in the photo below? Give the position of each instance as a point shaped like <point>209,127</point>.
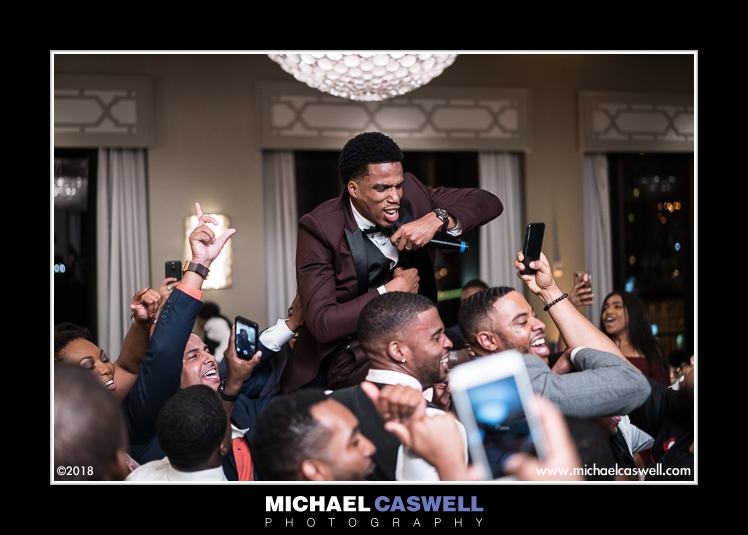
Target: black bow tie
<point>377,229</point>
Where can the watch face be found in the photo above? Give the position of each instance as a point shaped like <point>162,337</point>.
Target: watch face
<point>443,215</point>
<point>196,268</point>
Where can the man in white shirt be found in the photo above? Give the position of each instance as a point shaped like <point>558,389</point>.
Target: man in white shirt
<point>405,342</point>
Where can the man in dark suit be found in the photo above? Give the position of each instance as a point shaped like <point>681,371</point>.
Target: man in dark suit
<point>177,358</point>
<point>364,243</point>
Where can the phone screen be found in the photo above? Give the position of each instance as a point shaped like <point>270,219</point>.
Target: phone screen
<point>501,425</point>
<point>533,245</point>
<point>246,338</point>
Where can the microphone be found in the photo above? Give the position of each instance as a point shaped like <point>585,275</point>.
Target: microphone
<point>459,246</point>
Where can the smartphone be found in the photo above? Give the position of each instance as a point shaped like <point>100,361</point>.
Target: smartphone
<point>533,245</point>
<point>173,268</point>
<point>491,397</point>
<point>246,338</point>
<point>579,277</point>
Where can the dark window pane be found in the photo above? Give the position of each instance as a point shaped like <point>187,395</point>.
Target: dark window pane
<point>317,179</point>
<point>651,202</point>
<point>75,237</point>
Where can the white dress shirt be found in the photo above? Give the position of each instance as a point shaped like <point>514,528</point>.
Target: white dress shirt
<point>162,470</point>
<point>384,244</point>
<point>409,466</point>
<point>274,337</point>
<point>381,241</point>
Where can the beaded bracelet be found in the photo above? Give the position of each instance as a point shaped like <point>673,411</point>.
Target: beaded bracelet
<point>561,298</point>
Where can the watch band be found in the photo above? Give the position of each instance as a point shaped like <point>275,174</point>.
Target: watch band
<point>196,268</point>
<point>442,214</point>
<point>223,394</point>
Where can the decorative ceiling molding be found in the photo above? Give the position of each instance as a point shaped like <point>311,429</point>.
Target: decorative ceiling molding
<point>103,111</point>
<point>432,118</point>
<point>623,122</point>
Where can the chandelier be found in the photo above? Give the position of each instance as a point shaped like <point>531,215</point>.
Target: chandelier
<point>70,191</point>
<point>369,77</point>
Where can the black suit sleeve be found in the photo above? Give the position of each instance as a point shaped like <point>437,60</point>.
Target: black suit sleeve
<point>649,417</point>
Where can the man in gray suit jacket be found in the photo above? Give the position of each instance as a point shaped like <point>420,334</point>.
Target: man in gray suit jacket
<point>500,318</point>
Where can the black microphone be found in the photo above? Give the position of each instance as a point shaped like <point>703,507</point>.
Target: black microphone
<point>460,246</point>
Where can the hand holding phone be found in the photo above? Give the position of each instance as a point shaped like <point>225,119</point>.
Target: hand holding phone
<point>246,338</point>
<point>173,268</point>
<point>581,293</point>
<point>491,395</point>
<point>532,246</point>
<point>561,457</point>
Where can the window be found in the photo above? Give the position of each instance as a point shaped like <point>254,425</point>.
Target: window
<point>75,237</point>
<point>452,270</point>
<point>652,221</point>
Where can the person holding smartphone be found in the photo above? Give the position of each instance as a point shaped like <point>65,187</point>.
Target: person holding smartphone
<point>177,358</point>
<point>581,291</point>
<point>501,318</point>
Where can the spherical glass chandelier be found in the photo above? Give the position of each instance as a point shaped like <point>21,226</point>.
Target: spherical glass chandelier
<point>369,77</point>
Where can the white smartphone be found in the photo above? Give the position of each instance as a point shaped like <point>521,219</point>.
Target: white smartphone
<point>491,397</point>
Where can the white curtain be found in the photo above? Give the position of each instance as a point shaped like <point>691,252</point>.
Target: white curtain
<point>122,241</point>
<point>597,231</point>
<point>501,238</point>
<point>279,192</point>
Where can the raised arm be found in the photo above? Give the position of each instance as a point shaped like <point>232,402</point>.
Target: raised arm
<point>160,372</point>
<point>575,328</point>
<point>144,306</point>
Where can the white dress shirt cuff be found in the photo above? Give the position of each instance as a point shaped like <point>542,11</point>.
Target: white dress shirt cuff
<point>382,290</point>
<point>574,353</point>
<point>277,335</point>
<point>457,230</point>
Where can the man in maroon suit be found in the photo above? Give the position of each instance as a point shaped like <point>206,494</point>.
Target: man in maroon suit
<point>366,242</point>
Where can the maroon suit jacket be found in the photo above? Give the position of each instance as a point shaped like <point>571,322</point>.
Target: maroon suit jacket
<point>331,267</point>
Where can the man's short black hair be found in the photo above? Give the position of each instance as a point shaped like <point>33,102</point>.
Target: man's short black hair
<point>66,333</point>
<point>191,426</point>
<point>286,434</point>
<point>89,428</point>
<point>387,314</point>
<point>475,283</point>
<point>476,308</point>
<point>366,148</point>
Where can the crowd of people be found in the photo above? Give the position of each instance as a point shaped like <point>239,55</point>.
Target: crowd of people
<point>354,383</point>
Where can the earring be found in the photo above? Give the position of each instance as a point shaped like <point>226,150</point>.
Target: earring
<point>403,361</point>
